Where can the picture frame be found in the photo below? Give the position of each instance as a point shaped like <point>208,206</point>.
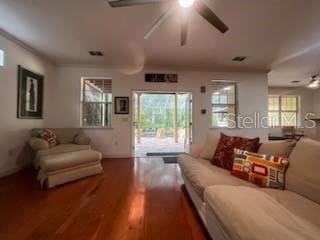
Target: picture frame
<point>161,77</point>
<point>30,94</point>
<point>121,105</point>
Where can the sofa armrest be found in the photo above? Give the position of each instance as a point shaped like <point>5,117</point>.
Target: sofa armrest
<point>195,150</point>
<point>82,139</point>
<point>38,144</point>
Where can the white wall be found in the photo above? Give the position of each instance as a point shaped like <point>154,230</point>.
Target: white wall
<point>14,132</point>
<point>307,105</point>
<point>252,90</point>
<point>62,103</point>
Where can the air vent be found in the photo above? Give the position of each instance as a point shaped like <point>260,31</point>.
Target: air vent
<point>96,53</point>
<point>239,59</point>
<point>295,81</point>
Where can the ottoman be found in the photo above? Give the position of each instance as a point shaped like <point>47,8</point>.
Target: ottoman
<point>66,167</point>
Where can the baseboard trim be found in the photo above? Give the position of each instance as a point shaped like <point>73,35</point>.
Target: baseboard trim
<point>117,156</point>
<point>12,170</point>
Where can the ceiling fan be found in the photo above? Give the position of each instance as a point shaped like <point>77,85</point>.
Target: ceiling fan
<point>315,82</point>
<point>198,5</point>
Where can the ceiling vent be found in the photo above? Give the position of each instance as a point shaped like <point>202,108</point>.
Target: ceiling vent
<point>96,53</point>
<point>239,59</point>
<point>295,81</point>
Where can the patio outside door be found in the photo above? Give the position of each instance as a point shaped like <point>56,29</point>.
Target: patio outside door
<point>162,123</point>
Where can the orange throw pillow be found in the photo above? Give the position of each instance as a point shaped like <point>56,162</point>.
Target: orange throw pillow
<point>261,169</point>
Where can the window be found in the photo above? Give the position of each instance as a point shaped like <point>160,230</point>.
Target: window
<point>283,110</point>
<point>96,99</point>
<point>224,104</point>
<point>1,58</point>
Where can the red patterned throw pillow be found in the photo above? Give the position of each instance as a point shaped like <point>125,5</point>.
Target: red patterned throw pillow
<point>224,154</point>
<point>261,169</point>
<point>49,136</point>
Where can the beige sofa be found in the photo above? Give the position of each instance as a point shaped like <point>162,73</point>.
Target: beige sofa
<point>232,208</point>
<point>71,159</point>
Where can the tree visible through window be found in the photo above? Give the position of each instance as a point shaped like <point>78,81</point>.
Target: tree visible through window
<point>283,110</point>
<point>224,104</point>
<point>96,101</point>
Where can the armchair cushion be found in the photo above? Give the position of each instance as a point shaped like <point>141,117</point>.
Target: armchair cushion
<point>81,139</point>
<point>38,144</point>
<point>66,135</point>
<point>59,149</point>
<point>67,160</point>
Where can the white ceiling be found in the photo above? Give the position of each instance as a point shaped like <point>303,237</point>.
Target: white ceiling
<point>281,35</point>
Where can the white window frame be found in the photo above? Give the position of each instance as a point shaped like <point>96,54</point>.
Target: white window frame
<point>280,111</point>
<point>235,105</point>
<point>2,58</point>
<point>83,102</point>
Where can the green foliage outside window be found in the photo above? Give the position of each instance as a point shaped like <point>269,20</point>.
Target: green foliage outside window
<point>157,112</point>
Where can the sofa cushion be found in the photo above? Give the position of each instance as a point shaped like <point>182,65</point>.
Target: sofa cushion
<point>63,148</point>
<point>247,213</point>
<point>297,204</point>
<point>201,174</point>
<point>68,160</point>
<point>210,145</point>
<point>277,148</point>
<point>224,154</point>
<point>303,175</point>
<point>261,169</point>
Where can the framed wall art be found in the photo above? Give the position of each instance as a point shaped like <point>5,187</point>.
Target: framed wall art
<point>30,94</point>
<point>121,105</point>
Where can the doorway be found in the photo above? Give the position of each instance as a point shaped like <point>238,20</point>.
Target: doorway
<point>162,123</point>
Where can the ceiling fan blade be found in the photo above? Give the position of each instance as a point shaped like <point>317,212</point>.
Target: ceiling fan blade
<point>128,3</point>
<point>163,18</point>
<point>184,30</point>
<point>207,14</point>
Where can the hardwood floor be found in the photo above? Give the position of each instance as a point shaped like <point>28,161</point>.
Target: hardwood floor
<point>133,199</point>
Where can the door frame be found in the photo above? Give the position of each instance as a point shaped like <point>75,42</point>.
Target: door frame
<point>133,107</point>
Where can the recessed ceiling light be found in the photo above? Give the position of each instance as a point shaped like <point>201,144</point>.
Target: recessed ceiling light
<point>186,3</point>
<point>100,54</point>
<point>239,59</point>
<point>96,53</point>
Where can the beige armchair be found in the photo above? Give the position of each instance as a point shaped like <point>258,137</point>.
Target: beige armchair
<point>71,159</point>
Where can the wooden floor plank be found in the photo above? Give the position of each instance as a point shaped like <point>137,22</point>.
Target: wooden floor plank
<point>134,199</point>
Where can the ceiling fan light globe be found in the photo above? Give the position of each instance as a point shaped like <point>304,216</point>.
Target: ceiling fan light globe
<point>314,84</point>
<point>186,3</point>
